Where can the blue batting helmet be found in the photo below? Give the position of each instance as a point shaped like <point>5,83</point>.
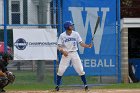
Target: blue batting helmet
<point>67,24</point>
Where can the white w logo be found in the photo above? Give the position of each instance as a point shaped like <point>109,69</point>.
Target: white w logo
<point>91,18</point>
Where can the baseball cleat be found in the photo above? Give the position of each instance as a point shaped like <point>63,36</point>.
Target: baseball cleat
<point>57,88</point>
<point>86,88</point>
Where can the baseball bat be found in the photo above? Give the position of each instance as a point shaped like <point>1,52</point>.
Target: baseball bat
<point>96,26</point>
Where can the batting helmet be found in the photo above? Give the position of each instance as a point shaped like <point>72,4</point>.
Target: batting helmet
<point>67,24</point>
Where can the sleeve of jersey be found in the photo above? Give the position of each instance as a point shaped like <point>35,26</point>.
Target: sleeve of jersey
<point>79,39</point>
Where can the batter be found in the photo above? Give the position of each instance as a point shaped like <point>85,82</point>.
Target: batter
<point>68,46</point>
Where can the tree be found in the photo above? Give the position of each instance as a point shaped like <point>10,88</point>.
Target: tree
<point>130,8</point>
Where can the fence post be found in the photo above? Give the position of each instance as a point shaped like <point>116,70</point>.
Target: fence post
<point>55,72</point>
<point>119,40</point>
<point>5,25</point>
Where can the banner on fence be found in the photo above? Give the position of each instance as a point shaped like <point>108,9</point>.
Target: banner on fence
<point>101,59</point>
<point>35,44</point>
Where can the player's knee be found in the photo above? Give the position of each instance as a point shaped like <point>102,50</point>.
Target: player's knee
<point>60,72</point>
<point>81,73</point>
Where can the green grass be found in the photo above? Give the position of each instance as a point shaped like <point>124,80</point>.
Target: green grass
<point>120,86</point>
<point>71,80</point>
<point>27,80</point>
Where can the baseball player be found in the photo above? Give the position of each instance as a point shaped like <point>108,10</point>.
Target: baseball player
<point>6,76</point>
<point>68,46</point>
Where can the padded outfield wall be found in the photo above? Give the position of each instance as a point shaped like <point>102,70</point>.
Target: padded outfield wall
<point>103,58</point>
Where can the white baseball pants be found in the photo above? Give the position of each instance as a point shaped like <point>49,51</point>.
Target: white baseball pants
<point>76,62</point>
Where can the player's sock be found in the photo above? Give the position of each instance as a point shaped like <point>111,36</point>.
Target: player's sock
<point>58,80</point>
<point>83,78</point>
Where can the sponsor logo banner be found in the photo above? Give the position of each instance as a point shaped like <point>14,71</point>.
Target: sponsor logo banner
<point>35,44</point>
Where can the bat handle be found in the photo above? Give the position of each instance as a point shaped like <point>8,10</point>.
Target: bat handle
<point>92,42</point>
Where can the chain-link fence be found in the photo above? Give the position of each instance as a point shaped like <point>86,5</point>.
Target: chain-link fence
<point>32,14</point>
<point>29,14</point>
